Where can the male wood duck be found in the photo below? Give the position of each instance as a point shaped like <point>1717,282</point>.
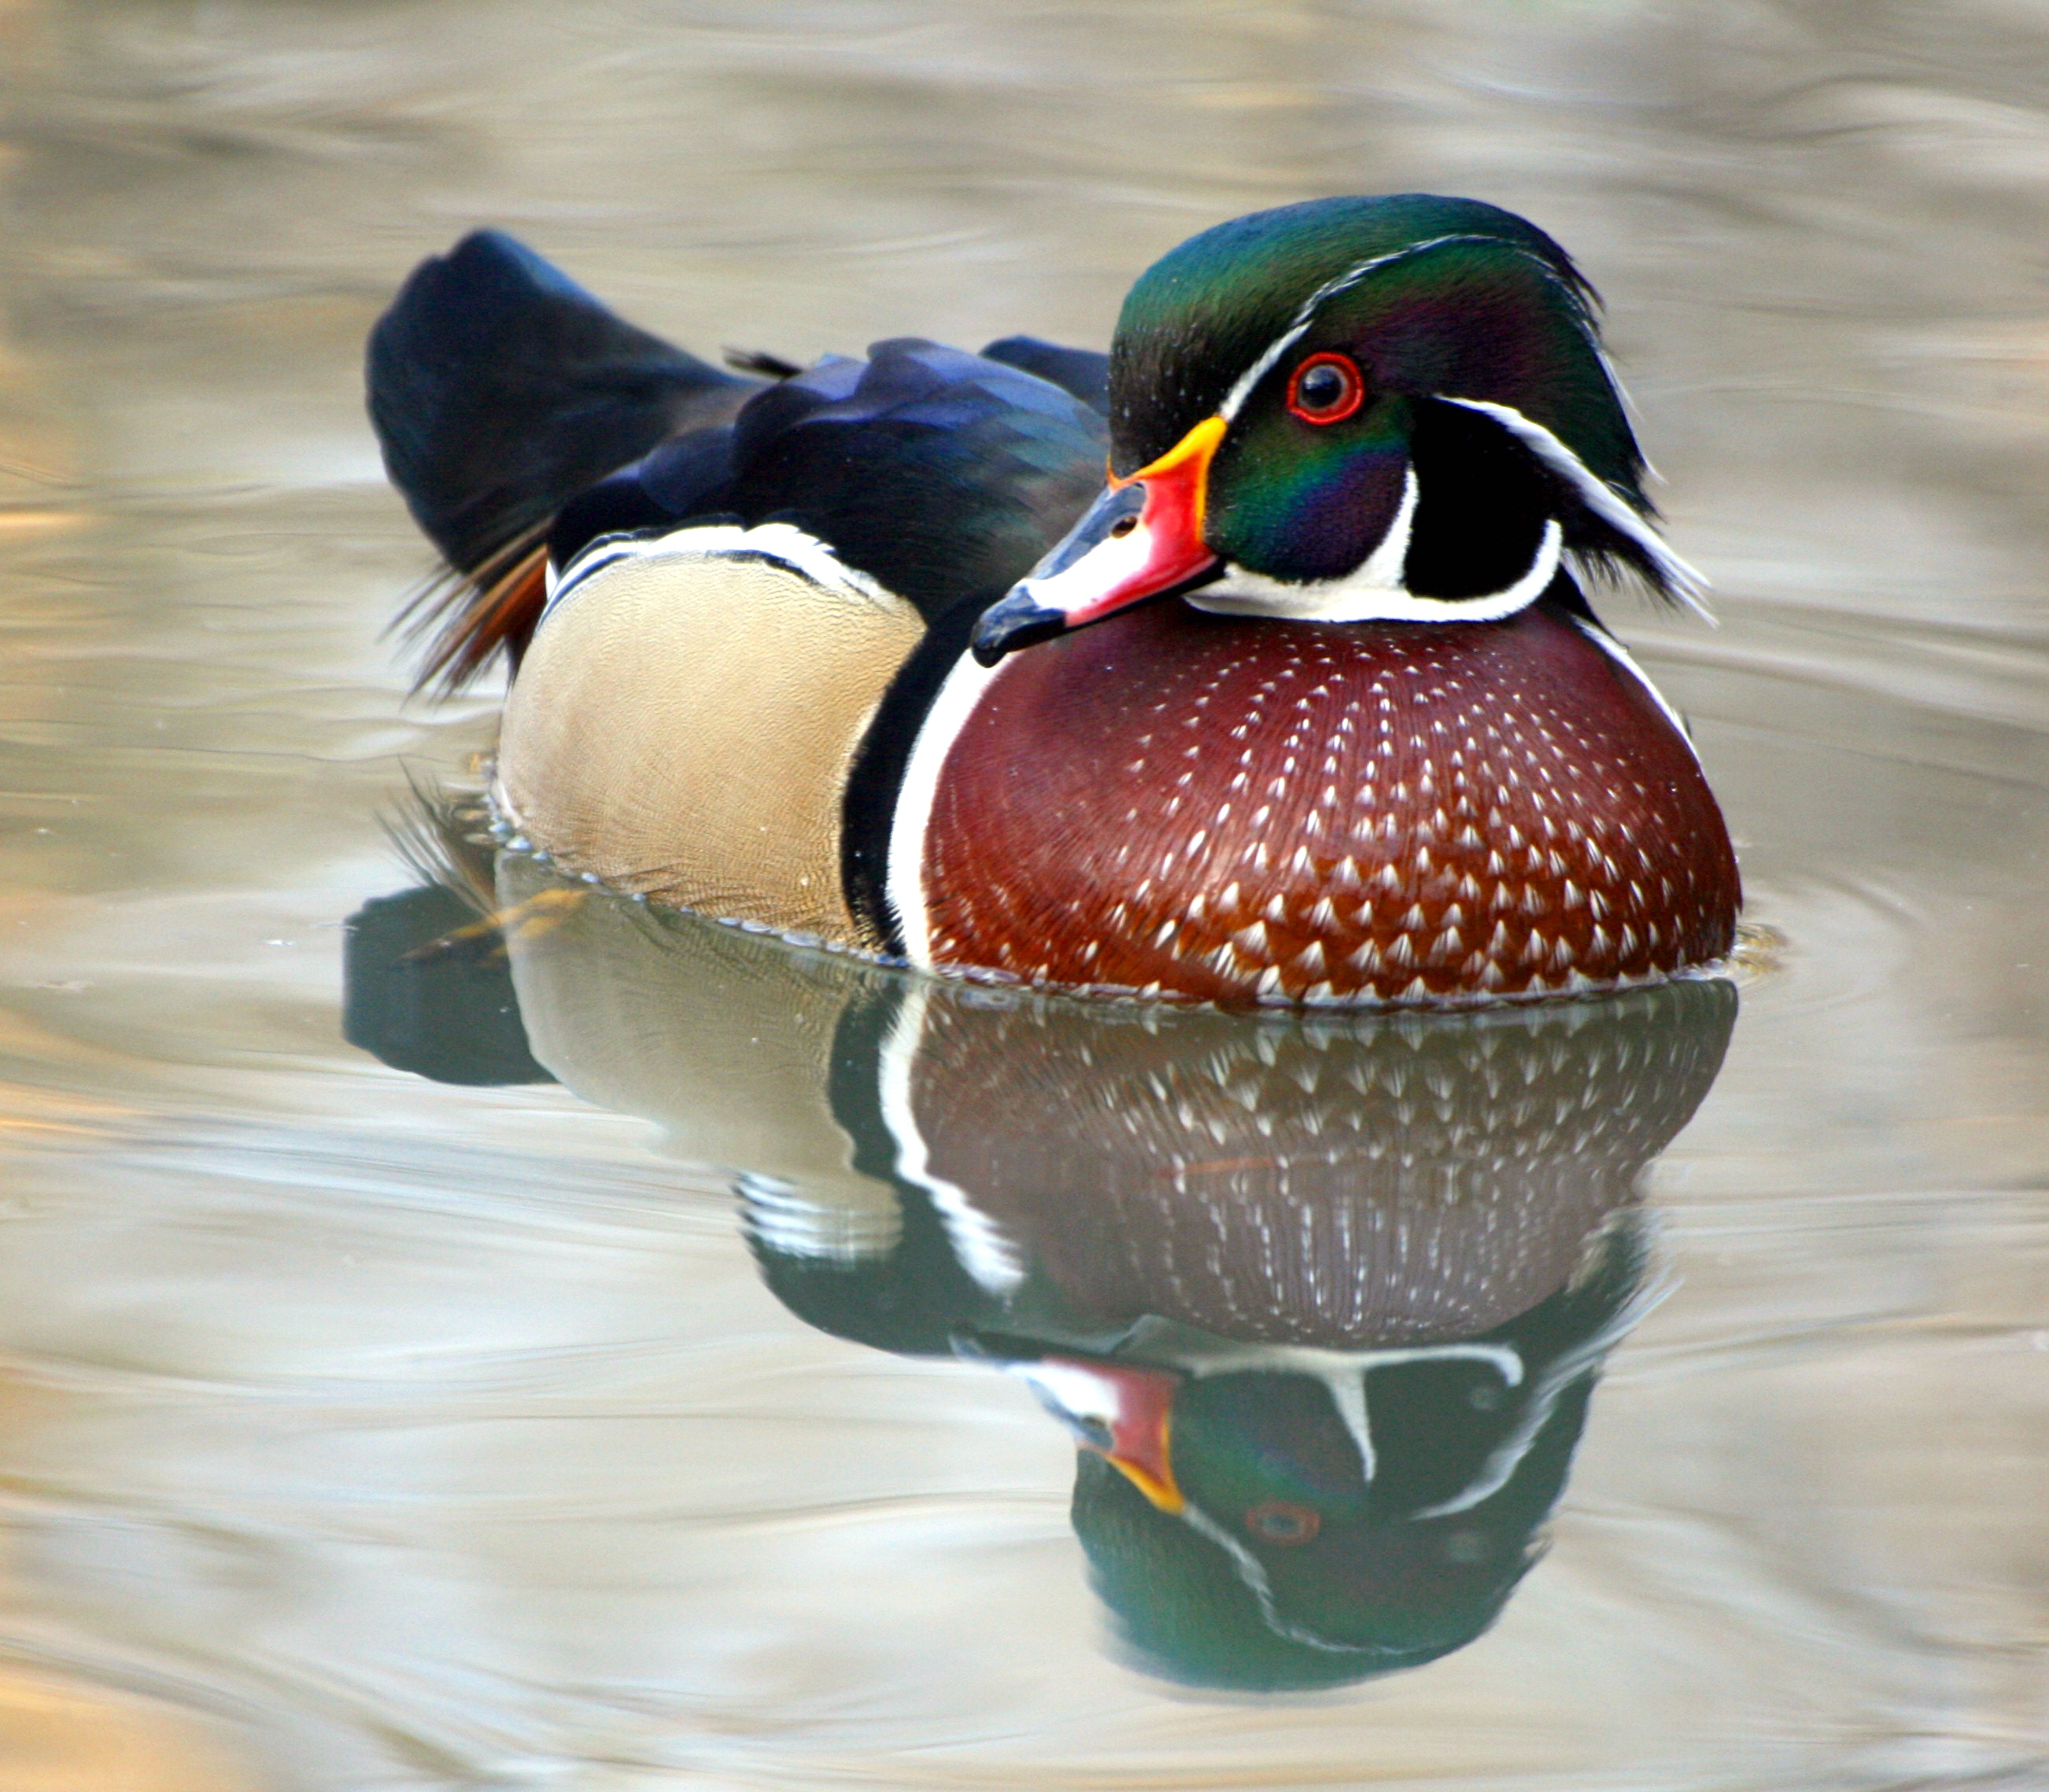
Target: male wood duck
<point>1304,705</point>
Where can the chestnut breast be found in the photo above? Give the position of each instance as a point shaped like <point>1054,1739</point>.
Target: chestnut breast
<point>1178,803</point>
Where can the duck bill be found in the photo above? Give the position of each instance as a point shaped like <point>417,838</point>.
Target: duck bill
<point>1142,1442</point>
<point>1122,1412</point>
<point>1142,538</point>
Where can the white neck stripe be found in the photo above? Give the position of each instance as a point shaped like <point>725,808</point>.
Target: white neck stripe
<point>905,885</point>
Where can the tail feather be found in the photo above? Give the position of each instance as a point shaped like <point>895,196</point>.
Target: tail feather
<point>468,619</point>
<point>499,388</point>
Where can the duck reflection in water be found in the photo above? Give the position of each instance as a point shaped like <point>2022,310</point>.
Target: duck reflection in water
<point>1322,1299</point>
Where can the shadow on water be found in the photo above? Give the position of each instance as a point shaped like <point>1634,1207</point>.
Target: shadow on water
<point>1322,1299</point>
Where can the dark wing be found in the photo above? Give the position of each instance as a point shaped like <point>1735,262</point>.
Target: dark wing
<point>1081,371</point>
<point>942,475</point>
<point>511,404</point>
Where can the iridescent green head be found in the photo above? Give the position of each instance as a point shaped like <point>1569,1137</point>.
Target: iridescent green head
<point>1354,408</point>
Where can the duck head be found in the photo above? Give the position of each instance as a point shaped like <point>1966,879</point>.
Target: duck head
<point>1349,410</point>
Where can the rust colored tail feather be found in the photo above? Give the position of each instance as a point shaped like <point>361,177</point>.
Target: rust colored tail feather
<point>467,618</point>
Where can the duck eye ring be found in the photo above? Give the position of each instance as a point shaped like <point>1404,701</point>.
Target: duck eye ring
<point>1326,389</point>
<point>1281,1521</point>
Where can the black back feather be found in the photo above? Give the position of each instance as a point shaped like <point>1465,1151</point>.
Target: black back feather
<point>1081,371</point>
<point>938,473</point>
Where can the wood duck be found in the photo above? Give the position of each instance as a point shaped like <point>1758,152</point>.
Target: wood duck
<point>1305,704</point>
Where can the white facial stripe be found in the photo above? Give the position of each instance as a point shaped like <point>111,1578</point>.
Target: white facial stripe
<point>1600,497</point>
<point>1344,1377</point>
<point>1075,589</point>
<point>1347,1395</point>
<point>1252,1572</point>
<point>1240,593</point>
<point>1630,413</point>
<point>950,709</point>
<point>1306,315</point>
<point>805,555</point>
<point>1622,657</point>
<point>1507,1455</point>
<point>1234,400</point>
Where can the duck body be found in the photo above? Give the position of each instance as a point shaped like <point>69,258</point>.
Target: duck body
<point>1304,706</point>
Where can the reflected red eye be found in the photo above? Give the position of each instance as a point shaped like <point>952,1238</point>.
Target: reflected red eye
<point>1326,389</point>
<point>1278,1521</point>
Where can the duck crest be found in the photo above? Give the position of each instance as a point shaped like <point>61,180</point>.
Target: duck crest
<point>1209,318</point>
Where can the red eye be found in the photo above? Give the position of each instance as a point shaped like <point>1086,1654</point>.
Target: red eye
<point>1280,1521</point>
<point>1326,389</point>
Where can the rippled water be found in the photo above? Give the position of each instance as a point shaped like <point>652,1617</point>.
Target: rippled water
<point>360,1428</point>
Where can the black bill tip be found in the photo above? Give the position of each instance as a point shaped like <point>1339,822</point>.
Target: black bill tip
<point>1017,621</point>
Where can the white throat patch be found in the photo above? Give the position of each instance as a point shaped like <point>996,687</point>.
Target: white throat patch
<point>1373,592</point>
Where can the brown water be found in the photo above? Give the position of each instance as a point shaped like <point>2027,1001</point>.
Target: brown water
<point>359,1429</point>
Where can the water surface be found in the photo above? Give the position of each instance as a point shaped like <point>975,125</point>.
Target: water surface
<point>363,1429</point>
